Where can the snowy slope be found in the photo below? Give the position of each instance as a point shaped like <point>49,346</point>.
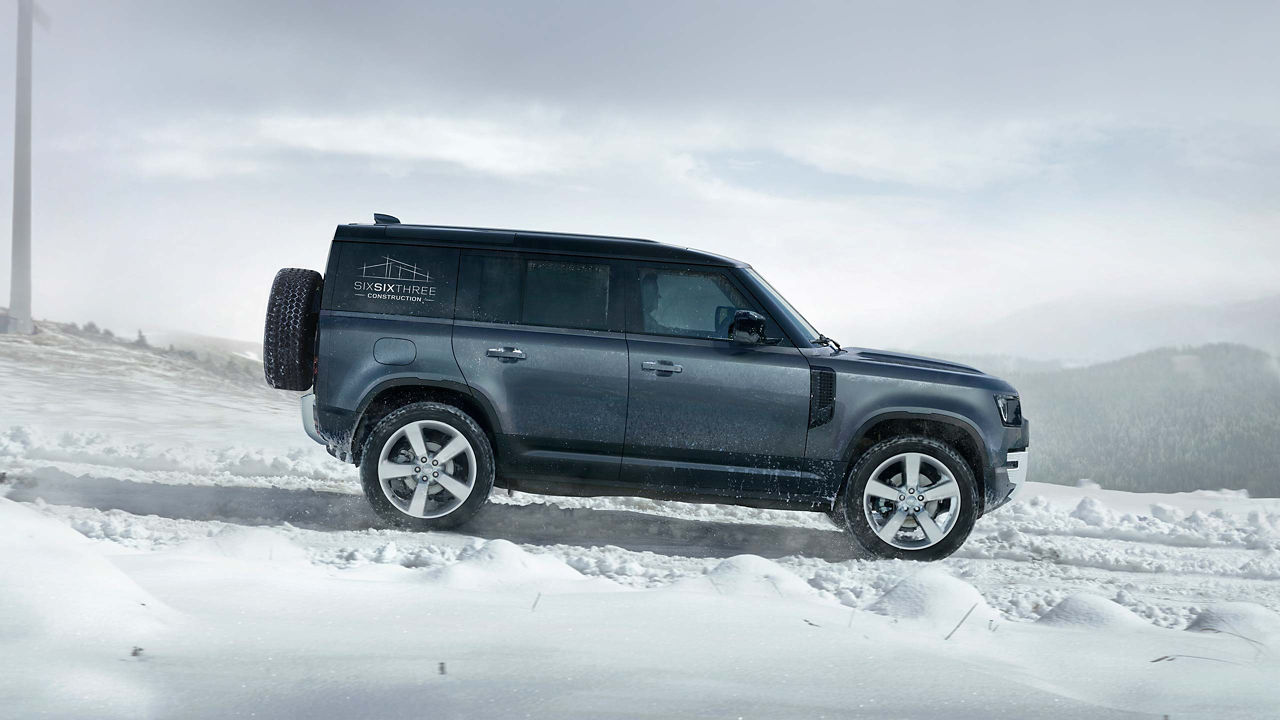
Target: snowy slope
<point>244,563</point>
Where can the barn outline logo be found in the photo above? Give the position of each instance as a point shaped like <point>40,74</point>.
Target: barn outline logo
<point>393,269</point>
<point>394,279</point>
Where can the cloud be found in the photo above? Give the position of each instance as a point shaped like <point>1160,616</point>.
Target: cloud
<point>520,142</point>
<point>883,166</point>
<point>529,144</point>
<point>933,152</point>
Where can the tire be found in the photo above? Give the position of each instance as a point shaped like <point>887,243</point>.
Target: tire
<point>289,338</point>
<point>393,495</point>
<point>942,473</point>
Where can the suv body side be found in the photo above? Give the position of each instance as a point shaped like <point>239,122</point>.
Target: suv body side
<point>598,408</point>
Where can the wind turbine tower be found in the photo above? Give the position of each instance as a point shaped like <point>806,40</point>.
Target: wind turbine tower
<point>20,285</point>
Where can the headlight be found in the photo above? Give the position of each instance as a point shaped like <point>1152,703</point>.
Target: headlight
<point>1010,409</point>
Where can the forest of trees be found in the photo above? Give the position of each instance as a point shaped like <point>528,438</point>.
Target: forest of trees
<point>1165,420</point>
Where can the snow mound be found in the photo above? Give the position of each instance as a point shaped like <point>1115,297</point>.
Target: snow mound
<point>1086,610</point>
<point>1092,512</point>
<point>1239,618</point>
<point>248,543</point>
<point>756,576</point>
<point>501,563</point>
<point>936,598</point>
<point>55,584</point>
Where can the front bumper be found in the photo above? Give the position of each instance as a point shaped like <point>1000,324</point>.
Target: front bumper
<point>308,403</point>
<point>1015,468</point>
<point>1007,473</point>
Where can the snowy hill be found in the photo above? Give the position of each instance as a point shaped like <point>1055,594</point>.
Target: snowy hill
<point>204,344</point>
<point>173,545</point>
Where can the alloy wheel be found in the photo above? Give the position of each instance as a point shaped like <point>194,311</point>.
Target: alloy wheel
<point>912,501</point>
<point>427,469</point>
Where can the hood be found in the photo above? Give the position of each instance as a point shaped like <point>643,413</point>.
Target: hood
<point>864,362</point>
<point>894,358</point>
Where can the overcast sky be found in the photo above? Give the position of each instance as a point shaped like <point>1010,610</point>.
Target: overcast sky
<point>895,169</point>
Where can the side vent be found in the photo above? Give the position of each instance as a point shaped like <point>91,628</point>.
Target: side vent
<point>822,396</point>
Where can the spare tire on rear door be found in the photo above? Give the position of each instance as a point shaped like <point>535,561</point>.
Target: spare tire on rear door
<point>289,340</point>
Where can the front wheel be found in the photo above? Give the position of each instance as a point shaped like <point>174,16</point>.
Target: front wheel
<point>910,497</point>
<point>427,466</point>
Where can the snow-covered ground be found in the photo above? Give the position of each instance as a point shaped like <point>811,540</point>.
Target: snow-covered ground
<point>152,505</point>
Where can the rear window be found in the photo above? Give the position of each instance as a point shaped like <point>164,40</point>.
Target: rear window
<point>394,279</point>
<point>546,291</point>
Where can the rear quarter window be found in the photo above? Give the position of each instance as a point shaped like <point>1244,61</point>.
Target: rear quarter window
<point>543,290</point>
<point>394,279</point>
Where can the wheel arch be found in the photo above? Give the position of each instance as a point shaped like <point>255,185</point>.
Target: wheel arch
<point>955,430</point>
<point>391,394</point>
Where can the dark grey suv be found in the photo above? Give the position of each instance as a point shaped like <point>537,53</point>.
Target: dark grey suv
<point>447,361</point>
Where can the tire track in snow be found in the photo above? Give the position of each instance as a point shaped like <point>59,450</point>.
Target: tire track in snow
<point>1023,563</point>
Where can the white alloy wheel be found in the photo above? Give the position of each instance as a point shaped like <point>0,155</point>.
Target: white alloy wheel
<point>427,469</point>
<point>912,501</point>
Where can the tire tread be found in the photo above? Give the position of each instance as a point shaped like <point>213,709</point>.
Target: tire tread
<point>289,335</point>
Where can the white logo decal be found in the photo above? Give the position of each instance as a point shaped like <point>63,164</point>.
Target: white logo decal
<point>392,269</point>
<point>411,283</point>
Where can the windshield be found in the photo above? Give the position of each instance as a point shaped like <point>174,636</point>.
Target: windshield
<point>793,315</point>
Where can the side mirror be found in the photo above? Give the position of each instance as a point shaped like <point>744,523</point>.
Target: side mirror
<point>747,327</point>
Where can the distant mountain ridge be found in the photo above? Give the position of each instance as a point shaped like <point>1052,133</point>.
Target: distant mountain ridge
<point>1173,419</point>
<point>1098,331</point>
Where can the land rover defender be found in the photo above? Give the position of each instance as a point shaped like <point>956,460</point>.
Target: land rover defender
<point>447,361</point>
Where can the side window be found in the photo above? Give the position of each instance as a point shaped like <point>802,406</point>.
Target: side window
<point>566,294</point>
<point>490,288</point>
<point>552,292</point>
<point>393,279</point>
<point>687,303</point>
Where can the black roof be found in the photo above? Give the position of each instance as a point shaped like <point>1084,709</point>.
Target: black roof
<point>490,238</point>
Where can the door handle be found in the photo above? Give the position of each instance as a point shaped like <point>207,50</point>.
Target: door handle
<point>661,366</point>
<point>506,353</point>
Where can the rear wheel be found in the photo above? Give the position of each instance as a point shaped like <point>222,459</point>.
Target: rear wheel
<point>910,497</point>
<point>427,466</point>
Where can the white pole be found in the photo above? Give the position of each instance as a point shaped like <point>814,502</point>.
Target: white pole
<point>20,286</point>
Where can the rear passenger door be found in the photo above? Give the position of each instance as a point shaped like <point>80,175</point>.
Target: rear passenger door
<point>540,337</point>
<point>705,413</point>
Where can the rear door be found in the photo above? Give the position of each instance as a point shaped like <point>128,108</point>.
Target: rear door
<point>380,296</point>
<point>540,337</point>
<point>706,413</point>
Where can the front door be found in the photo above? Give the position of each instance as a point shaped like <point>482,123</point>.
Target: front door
<point>533,336</point>
<point>706,413</point>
